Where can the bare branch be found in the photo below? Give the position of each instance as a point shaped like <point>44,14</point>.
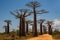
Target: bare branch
<point>16,11</point>
<point>23,11</point>
<point>42,11</point>
<point>7,20</point>
<point>41,20</point>
<point>29,13</point>
<point>13,14</point>
<point>33,4</point>
<point>49,22</point>
<point>17,16</point>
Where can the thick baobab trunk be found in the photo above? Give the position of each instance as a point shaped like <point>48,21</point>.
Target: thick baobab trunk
<point>7,30</point>
<point>23,27</point>
<point>40,28</point>
<point>49,29</point>
<point>26,27</point>
<point>20,27</point>
<point>35,24</point>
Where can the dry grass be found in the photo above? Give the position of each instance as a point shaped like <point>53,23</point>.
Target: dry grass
<point>40,37</point>
<point>8,37</point>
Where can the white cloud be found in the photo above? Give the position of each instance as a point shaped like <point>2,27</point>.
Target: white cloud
<point>56,24</point>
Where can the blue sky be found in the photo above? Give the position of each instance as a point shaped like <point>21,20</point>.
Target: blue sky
<point>53,6</point>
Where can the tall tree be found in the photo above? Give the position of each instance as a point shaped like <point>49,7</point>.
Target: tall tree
<point>44,28</point>
<point>35,5</point>
<point>41,21</point>
<point>21,14</point>
<point>27,24</point>
<point>49,27</point>
<point>7,27</point>
<point>32,28</point>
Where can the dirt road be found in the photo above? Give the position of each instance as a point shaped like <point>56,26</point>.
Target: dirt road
<point>42,37</point>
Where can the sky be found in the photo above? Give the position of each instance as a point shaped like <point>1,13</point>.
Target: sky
<point>52,6</point>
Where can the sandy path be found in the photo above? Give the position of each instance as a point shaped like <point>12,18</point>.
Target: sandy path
<point>42,37</point>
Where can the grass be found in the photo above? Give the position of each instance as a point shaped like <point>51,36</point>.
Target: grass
<point>9,37</point>
<point>55,35</point>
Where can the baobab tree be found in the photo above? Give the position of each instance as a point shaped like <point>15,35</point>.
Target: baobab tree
<point>28,22</point>
<point>34,5</point>
<point>21,14</point>
<point>27,25</point>
<point>49,27</point>
<point>44,28</point>
<point>32,28</point>
<point>41,22</point>
<point>7,27</point>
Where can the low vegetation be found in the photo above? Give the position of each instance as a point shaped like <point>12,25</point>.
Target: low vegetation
<point>14,35</point>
